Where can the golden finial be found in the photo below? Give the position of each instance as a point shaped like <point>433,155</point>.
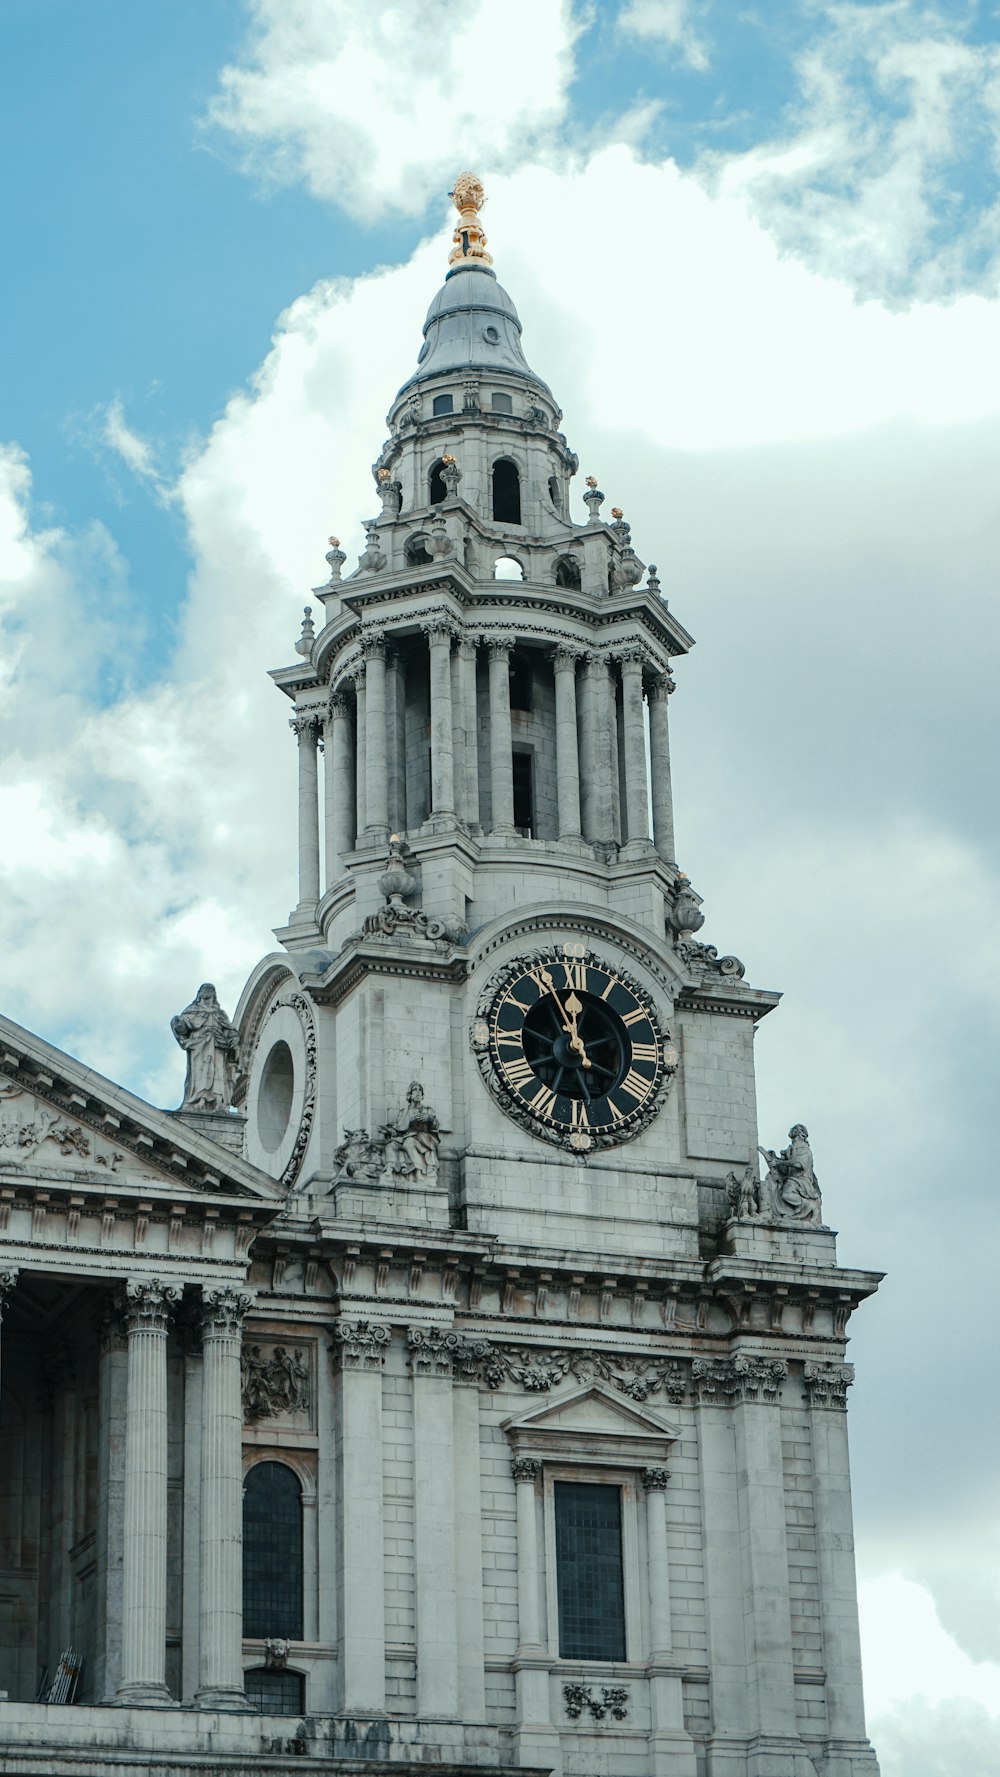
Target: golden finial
<point>447,458</point>
<point>383,474</point>
<point>591,480</point>
<point>469,239</point>
<point>616,512</point>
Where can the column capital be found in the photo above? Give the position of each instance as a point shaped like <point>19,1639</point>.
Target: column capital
<point>525,1470</point>
<point>439,629</point>
<point>564,658</point>
<point>306,726</point>
<point>468,646</point>
<point>358,675</point>
<point>661,687</point>
<point>8,1283</point>
<point>826,1384</point>
<point>338,708</point>
<point>149,1304</point>
<point>729,1381</point>
<point>373,645</point>
<point>499,647</point>
<point>224,1309</point>
<point>634,655</point>
<point>654,1480</point>
<point>109,1323</point>
<point>595,665</point>
<point>360,1344</point>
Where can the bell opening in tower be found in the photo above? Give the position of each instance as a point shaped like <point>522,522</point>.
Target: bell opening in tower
<point>506,492</point>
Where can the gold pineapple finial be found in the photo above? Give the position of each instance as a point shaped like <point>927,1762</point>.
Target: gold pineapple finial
<point>469,239</point>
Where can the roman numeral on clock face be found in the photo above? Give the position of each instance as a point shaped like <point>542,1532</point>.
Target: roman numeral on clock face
<point>636,1016</point>
<point>543,1102</point>
<point>636,1085</point>
<point>517,1074</point>
<point>576,976</point>
<point>644,1052</point>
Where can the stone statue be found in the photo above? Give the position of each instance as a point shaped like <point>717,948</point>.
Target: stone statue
<point>744,1192</point>
<point>413,1140</point>
<point>792,1185</point>
<point>359,1156</point>
<point>210,1042</point>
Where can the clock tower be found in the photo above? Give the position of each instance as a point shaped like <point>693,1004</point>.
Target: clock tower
<point>580,1463</point>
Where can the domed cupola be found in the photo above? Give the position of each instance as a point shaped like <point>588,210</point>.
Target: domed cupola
<point>472,324</point>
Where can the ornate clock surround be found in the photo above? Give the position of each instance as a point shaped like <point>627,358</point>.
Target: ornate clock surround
<point>613,1007</point>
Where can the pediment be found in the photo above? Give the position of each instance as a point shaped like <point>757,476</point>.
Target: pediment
<point>592,1422</point>
<point>63,1124</point>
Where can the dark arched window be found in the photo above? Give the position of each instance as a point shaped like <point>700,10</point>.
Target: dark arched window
<point>417,552</point>
<point>439,491</point>
<point>568,572</point>
<point>272,1552</point>
<point>506,492</point>
<point>555,492</point>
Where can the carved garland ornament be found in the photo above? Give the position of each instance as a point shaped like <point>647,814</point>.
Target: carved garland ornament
<point>536,1370</point>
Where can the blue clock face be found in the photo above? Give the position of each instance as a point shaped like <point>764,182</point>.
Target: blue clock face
<point>574,1048</point>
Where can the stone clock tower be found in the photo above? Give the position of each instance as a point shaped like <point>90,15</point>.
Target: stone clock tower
<point>544,1440</point>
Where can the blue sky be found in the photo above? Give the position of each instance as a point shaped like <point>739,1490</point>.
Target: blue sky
<point>756,252</point>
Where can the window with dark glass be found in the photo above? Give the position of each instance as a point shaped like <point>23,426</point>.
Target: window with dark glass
<point>589,1578</point>
<point>438,489</point>
<point>272,1552</point>
<point>568,572</point>
<point>502,404</point>
<point>506,492</point>
<point>444,404</point>
<point>519,674</point>
<point>275,1693</point>
<point>524,801</point>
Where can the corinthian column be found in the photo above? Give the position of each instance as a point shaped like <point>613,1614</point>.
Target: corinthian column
<point>567,745</point>
<point>595,759</point>
<point>659,758</point>
<point>376,761</point>
<point>671,1745</point>
<point>826,1386</point>
<point>469,789</point>
<point>636,786</point>
<point>220,1568</point>
<point>306,730</point>
<point>339,797</point>
<point>395,704</point>
<point>144,1568</point>
<point>501,743</point>
<point>442,740</point>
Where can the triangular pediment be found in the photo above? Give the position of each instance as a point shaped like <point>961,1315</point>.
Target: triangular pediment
<point>63,1123</point>
<point>590,1417</point>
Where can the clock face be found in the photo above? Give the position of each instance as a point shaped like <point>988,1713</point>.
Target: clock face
<point>572,1048</point>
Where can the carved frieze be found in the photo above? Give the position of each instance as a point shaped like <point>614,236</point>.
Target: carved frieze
<point>726,1381</point>
<point>607,1700</point>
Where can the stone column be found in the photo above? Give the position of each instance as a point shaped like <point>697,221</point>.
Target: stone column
<point>501,743</point>
<point>306,729</point>
<point>534,1735</point>
<point>339,792</point>
<point>725,1601</point>
<point>439,636</point>
<point>670,1744</point>
<point>360,1347</point>
<point>567,745</point>
<point>469,1547</point>
<point>659,759</point>
<point>826,1386</point>
<point>360,804</point>
<point>112,1388</point>
<point>636,785</point>
<point>376,760</point>
<point>220,1570</point>
<point>8,1283</point>
<point>395,698</point>
<point>434,1528</point>
<point>468,800</point>
<point>148,1304</point>
<point>595,753</point>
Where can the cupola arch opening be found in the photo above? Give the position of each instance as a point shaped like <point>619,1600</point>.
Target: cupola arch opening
<point>506,492</point>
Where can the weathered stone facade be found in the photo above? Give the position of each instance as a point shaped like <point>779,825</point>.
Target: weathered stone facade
<point>486,1221</point>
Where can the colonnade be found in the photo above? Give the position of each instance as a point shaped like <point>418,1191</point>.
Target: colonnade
<point>363,739</point>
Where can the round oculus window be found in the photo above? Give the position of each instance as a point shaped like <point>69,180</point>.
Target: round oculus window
<point>274,1099</point>
<point>491,336</point>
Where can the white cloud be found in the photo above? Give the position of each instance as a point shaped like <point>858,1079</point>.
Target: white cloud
<point>897,111</point>
<point>909,1656</point>
<point>665,21</point>
<point>379,107</point>
<point>135,452</point>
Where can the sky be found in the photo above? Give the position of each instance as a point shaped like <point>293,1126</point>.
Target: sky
<point>756,253</point>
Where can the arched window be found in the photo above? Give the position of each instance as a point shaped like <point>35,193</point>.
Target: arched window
<point>506,492</point>
<point>506,568</point>
<point>275,1692</point>
<point>568,572</point>
<point>272,1552</point>
<point>555,492</point>
<point>417,553</point>
<point>439,491</point>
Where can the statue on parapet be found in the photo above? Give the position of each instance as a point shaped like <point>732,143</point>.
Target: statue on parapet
<point>743,1191</point>
<point>210,1042</point>
<point>413,1139</point>
<point>791,1182</point>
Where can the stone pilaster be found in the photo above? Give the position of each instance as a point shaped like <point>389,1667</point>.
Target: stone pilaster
<point>360,749</point>
<point>376,761</point>
<point>435,1567</point>
<point>220,1568</point>
<point>567,745</point>
<point>306,729</point>
<point>469,793</point>
<point>848,1751</point>
<point>359,1349</point>
<point>535,1736</point>
<point>439,637</point>
<point>657,693</point>
<point>148,1304</point>
<point>112,1390</point>
<point>636,822</point>
<point>501,741</point>
<point>395,706</point>
<point>469,1547</point>
<point>671,1746</point>
<point>598,810</point>
<point>339,809</point>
